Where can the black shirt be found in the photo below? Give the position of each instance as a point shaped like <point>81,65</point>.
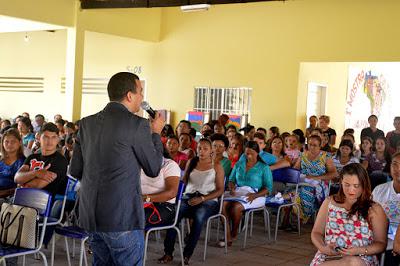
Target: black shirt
<point>367,132</point>
<point>58,165</point>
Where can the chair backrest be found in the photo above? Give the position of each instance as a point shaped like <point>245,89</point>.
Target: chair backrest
<point>286,175</point>
<point>178,200</point>
<point>34,198</point>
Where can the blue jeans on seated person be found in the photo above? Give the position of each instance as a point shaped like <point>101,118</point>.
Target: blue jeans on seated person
<point>199,213</point>
<point>117,248</point>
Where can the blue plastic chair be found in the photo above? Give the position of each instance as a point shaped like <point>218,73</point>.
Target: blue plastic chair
<point>34,198</point>
<point>287,176</point>
<point>69,231</point>
<point>156,228</point>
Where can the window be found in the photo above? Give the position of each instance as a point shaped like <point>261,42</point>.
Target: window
<point>215,101</point>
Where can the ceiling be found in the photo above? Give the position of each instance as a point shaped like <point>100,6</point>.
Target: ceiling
<point>86,4</point>
<point>12,24</point>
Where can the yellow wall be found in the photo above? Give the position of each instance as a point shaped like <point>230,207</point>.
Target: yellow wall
<point>261,45</point>
<point>44,56</point>
<point>258,45</point>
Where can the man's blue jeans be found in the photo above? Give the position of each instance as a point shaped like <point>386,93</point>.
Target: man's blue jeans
<point>117,248</point>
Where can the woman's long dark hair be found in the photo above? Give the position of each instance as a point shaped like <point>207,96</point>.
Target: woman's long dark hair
<point>388,156</point>
<point>364,202</point>
<point>254,146</point>
<point>348,143</point>
<point>194,161</point>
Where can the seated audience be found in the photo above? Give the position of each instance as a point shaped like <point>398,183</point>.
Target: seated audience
<point>278,150</point>
<point>248,131</point>
<point>26,130</point>
<point>38,123</point>
<point>231,132</point>
<point>324,121</point>
<point>372,131</point>
<point>317,169</point>
<point>267,157</point>
<point>235,148</point>
<point>57,117</point>
<point>223,119</point>
<point>220,144</point>
<point>325,146</point>
<point>11,159</point>
<point>365,148</point>
<point>344,156</point>
<point>262,130</point>
<point>173,149</point>
<point>185,126</point>
<point>69,128</point>
<point>185,141</point>
<point>292,148</point>
<point>161,192</point>
<point>388,196</point>
<point>313,125</point>
<point>377,163</point>
<point>301,142</point>
<point>166,132</point>
<point>272,132</point>
<point>219,128</point>
<point>393,137</point>
<point>251,177</point>
<point>5,123</point>
<point>396,246</point>
<point>206,129</point>
<point>204,184</point>
<point>349,224</point>
<point>350,137</point>
<point>68,148</point>
<point>36,144</point>
<point>47,169</point>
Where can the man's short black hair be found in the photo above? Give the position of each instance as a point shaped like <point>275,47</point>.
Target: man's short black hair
<point>220,137</point>
<point>187,122</point>
<point>51,127</point>
<point>120,84</point>
<point>39,115</point>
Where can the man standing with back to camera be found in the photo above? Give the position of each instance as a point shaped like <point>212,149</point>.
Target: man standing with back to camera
<point>112,146</point>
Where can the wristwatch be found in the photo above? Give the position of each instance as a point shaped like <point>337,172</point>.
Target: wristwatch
<point>148,199</point>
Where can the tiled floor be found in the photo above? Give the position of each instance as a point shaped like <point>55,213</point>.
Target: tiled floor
<point>290,249</point>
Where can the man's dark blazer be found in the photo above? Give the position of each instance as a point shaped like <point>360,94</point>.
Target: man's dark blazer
<point>112,146</point>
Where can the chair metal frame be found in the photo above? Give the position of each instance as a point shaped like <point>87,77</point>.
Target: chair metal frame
<point>173,226</point>
<point>40,200</point>
<point>289,176</point>
<point>267,222</point>
<point>73,230</point>
<point>216,216</point>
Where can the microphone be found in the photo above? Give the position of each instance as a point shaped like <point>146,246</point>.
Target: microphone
<point>146,106</point>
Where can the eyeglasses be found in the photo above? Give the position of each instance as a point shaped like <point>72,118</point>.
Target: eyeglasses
<point>218,146</point>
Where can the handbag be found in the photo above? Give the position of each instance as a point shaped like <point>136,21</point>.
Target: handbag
<point>19,226</point>
<point>155,217</point>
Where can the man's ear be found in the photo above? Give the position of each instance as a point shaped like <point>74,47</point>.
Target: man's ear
<point>129,96</point>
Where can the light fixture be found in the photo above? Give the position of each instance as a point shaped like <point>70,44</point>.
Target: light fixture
<point>194,8</point>
<point>26,37</point>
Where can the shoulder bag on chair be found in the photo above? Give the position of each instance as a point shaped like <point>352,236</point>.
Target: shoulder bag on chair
<point>18,225</point>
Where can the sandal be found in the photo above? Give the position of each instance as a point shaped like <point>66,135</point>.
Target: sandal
<point>186,260</point>
<point>221,243</point>
<point>165,259</point>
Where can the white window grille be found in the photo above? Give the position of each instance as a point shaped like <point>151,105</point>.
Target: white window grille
<point>215,101</point>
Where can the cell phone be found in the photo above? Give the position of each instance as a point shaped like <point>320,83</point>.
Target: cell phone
<point>337,249</point>
<point>334,257</point>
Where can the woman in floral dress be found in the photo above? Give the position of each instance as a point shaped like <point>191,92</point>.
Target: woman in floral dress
<point>350,228</point>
